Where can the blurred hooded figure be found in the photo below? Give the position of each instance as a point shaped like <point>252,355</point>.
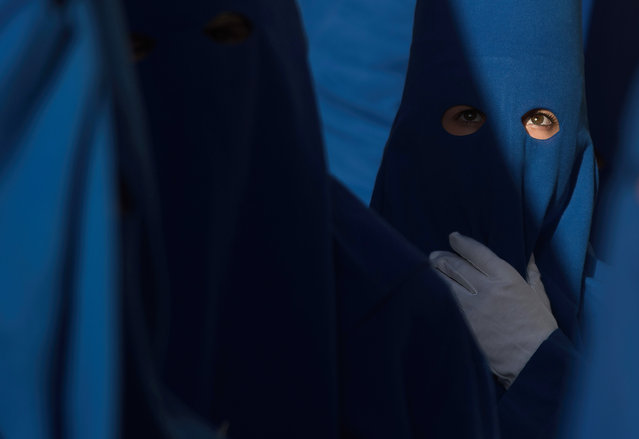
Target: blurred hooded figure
<point>491,141</point>
<point>605,395</point>
<point>294,310</point>
<point>611,62</point>
<point>611,59</point>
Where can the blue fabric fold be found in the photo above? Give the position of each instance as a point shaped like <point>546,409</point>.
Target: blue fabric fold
<point>59,308</point>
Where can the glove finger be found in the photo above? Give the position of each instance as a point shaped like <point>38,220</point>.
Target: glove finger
<point>452,285</point>
<point>455,268</point>
<point>480,256</point>
<point>461,295</point>
<point>439,254</point>
<point>488,332</point>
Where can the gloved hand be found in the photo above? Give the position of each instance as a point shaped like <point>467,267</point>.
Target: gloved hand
<point>509,316</point>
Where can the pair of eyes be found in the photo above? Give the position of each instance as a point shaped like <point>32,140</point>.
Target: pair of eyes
<point>462,120</point>
<point>224,28</point>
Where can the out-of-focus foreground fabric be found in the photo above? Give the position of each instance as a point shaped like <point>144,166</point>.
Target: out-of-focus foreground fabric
<point>76,206</point>
<point>611,64</point>
<point>605,397</point>
<point>59,348</point>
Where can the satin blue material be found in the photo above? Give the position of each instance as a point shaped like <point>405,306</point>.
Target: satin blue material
<point>358,53</point>
<point>295,311</point>
<point>515,194</point>
<point>59,308</point>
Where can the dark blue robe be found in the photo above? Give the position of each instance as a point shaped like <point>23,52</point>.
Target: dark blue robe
<point>513,193</point>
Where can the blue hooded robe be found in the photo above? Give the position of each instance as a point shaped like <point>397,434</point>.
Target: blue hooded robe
<point>294,310</point>
<point>515,194</point>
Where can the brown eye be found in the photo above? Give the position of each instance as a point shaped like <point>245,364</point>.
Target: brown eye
<point>229,28</point>
<point>141,46</point>
<point>462,120</point>
<point>540,124</point>
<point>470,116</point>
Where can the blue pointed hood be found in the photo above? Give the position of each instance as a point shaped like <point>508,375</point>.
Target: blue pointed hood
<point>516,194</point>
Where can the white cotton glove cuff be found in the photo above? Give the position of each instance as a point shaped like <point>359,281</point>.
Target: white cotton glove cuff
<point>509,316</point>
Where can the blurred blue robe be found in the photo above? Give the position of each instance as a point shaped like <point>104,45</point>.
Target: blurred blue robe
<point>611,62</point>
<point>604,399</point>
<point>59,308</point>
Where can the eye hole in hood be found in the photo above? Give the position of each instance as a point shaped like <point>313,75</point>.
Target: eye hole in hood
<point>229,28</point>
<point>540,123</point>
<point>462,120</point>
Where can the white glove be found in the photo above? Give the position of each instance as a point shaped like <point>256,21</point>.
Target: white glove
<point>509,316</point>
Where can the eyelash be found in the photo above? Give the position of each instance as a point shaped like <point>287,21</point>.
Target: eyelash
<point>552,118</point>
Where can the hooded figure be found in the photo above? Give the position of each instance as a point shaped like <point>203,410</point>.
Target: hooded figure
<point>294,311</point>
<point>59,308</point>
<point>252,330</point>
<point>491,141</point>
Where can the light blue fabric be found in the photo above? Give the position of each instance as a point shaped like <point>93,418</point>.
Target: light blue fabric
<point>58,307</point>
<point>358,52</point>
